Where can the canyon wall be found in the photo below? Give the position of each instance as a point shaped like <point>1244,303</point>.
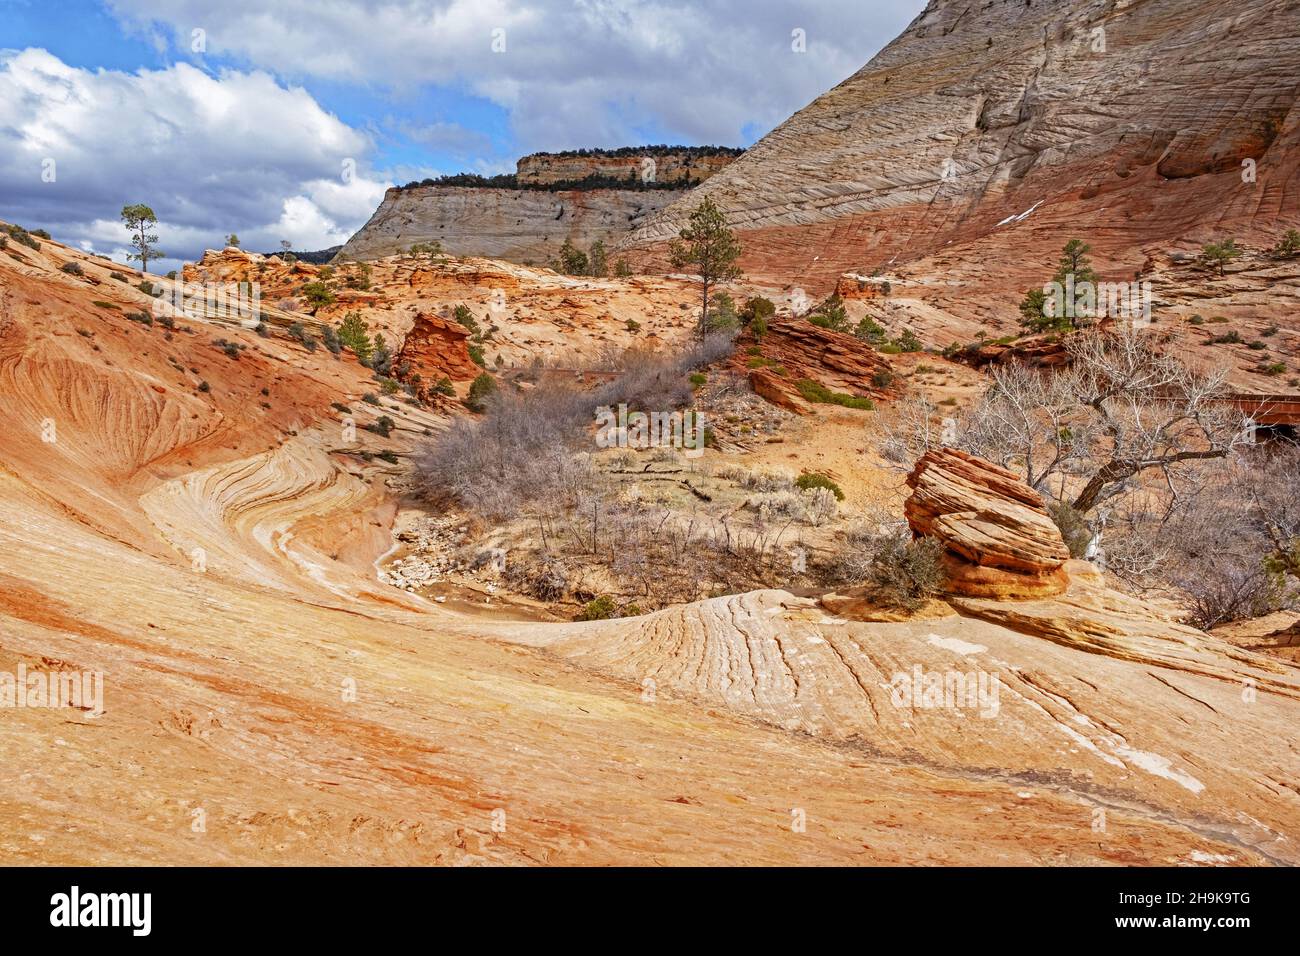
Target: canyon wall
<point>670,166</point>
<point>528,225</point>
<point>519,225</point>
<point>986,135</point>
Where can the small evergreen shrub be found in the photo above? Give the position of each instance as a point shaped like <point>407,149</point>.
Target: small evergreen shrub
<point>598,609</point>
<point>819,394</point>
<point>479,390</point>
<point>810,479</point>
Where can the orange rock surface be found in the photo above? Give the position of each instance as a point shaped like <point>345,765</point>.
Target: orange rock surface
<point>795,349</point>
<point>967,152</point>
<point>1000,540</point>
<point>212,552</point>
<point>436,347</point>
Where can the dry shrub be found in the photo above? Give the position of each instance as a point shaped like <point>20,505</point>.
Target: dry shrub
<point>1226,543</point>
<point>898,571</point>
<point>523,451</point>
<point>527,450</point>
<point>760,481</point>
<point>1219,589</point>
<point>905,572</point>
<point>821,505</point>
<point>658,380</point>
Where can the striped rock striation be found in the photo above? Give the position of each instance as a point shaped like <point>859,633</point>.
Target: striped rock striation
<point>962,157</point>
<point>1000,541</point>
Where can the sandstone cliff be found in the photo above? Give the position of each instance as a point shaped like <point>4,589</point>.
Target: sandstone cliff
<point>665,166</point>
<point>519,225</point>
<point>987,134</point>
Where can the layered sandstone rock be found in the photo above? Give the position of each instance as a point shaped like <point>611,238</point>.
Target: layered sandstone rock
<point>213,552</point>
<point>1000,541</point>
<point>519,225</point>
<point>779,391</point>
<point>853,286</point>
<point>966,153</point>
<point>794,350</point>
<point>666,166</point>
<point>436,347</point>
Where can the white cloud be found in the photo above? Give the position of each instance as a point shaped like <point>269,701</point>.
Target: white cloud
<point>236,151</point>
<point>573,72</point>
<point>451,138</point>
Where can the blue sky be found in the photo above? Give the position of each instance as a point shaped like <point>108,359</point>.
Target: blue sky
<point>287,119</point>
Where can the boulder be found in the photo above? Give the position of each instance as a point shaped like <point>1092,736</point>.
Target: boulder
<point>999,540</point>
<point>436,347</point>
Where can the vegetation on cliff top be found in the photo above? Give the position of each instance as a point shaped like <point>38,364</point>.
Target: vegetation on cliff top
<point>631,181</point>
<point>624,151</point>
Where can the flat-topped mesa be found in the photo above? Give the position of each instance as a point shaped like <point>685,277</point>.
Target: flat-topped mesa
<point>687,165</point>
<point>999,540</point>
<point>582,196</point>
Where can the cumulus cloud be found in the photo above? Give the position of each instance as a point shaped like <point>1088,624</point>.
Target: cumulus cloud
<point>569,72</point>
<point>212,154</point>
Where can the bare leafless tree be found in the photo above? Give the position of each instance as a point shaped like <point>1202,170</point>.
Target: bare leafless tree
<point>1146,411</point>
<point>1118,409</point>
<point>1269,485</point>
<point>1029,421</point>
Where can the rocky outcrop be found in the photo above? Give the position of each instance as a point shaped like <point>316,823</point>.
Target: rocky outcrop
<point>436,347</point>
<point>1040,351</point>
<point>1000,541</point>
<point>520,225</point>
<point>795,350</point>
<point>779,391</point>
<point>213,552</point>
<point>853,286</point>
<point>685,165</point>
<point>1093,617</point>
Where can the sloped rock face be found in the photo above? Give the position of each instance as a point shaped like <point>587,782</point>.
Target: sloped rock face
<point>276,278</point>
<point>436,347</point>
<point>801,350</point>
<point>1090,700</point>
<point>1037,350</point>
<point>853,286</point>
<point>1001,542</point>
<point>680,166</point>
<point>987,133</point>
<point>520,225</point>
<point>777,390</point>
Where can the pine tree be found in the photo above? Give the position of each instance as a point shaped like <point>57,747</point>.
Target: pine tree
<point>139,219</point>
<point>707,245</point>
<point>353,334</point>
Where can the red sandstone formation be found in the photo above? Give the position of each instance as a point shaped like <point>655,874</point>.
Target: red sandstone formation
<point>1000,540</point>
<point>966,153</point>
<point>435,348</point>
<point>795,349</point>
